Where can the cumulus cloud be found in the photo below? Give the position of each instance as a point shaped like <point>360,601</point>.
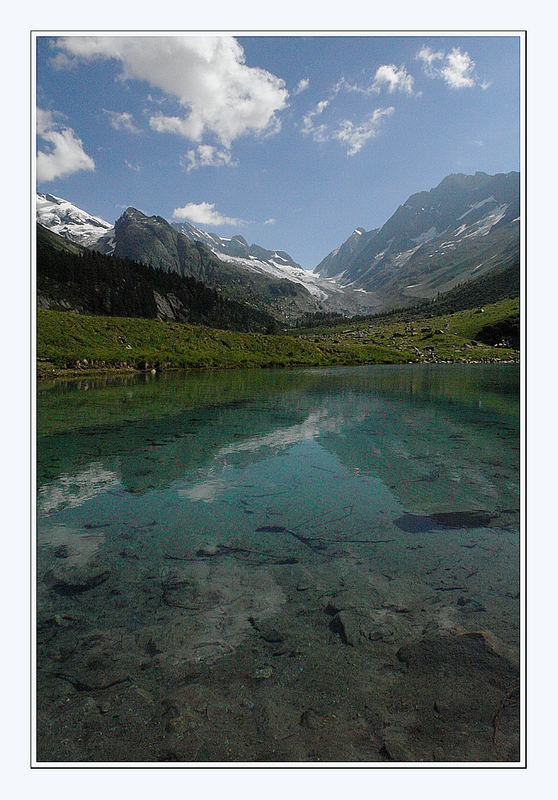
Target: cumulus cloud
<point>355,136</point>
<point>65,154</point>
<point>121,121</point>
<point>205,155</point>
<point>204,214</point>
<point>303,84</point>
<point>394,78</point>
<point>456,68</point>
<point>429,58</point>
<point>217,91</point>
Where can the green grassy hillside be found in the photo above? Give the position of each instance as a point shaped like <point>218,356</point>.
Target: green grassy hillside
<point>447,337</point>
<point>68,341</point>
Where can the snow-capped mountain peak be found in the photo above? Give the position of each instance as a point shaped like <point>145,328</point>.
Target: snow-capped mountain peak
<point>69,221</point>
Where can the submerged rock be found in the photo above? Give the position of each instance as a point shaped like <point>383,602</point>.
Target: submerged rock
<point>464,651</point>
<point>340,625</point>
<point>447,520</point>
<point>75,580</point>
<point>263,672</point>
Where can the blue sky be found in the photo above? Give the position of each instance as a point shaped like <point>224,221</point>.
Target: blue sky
<point>290,141</point>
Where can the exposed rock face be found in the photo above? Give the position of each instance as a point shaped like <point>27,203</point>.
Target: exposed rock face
<point>236,246</point>
<point>465,227</point>
<point>336,262</point>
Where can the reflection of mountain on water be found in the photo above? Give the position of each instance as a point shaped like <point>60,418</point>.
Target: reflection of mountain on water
<point>413,450</point>
<point>397,424</point>
<point>154,453</point>
<point>94,402</point>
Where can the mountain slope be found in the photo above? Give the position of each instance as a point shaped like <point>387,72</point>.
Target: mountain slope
<point>465,227</point>
<point>336,262</point>
<point>66,219</point>
<point>237,246</point>
<point>74,278</point>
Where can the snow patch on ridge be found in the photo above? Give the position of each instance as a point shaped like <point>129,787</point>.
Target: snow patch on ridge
<point>69,221</point>
<point>280,271</point>
<point>478,205</point>
<point>484,225</point>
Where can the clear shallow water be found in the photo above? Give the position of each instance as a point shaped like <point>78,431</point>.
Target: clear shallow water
<point>280,566</point>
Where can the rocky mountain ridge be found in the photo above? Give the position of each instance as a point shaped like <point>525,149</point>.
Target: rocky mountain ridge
<point>464,228</point>
<point>461,229</point>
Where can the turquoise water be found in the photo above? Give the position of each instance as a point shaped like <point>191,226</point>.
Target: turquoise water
<point>271,566</point>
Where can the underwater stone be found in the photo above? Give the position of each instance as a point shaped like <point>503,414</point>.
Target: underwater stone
<point>447,520</point>
<point>75,580</point>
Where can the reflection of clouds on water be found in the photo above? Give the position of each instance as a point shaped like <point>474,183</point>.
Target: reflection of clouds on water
<point>311,428</point>
<point>80,546</point>
<point>71,491</point>
<point>210,487</point>
<point>206,491</point>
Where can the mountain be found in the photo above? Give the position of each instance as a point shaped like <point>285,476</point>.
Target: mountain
<point>269,280</point>
<point>288,292</point>
<point>153,240</point>
<point>465,227</point>
<point>237,247</point>
<point>336,262</point>
<point>71,277</point>
<point>71,222</point>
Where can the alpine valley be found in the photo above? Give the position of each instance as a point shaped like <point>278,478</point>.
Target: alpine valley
<point>465,228</point>
<point>444,252</point>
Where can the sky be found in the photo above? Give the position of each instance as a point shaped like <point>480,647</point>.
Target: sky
<point>291,142</point>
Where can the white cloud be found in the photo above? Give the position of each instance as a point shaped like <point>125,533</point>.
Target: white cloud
<point>207,75</point>
<point>394,78</point>
<point>205,155</point>
<point>308,119</point>
<point>134,167</point>
<point>355,136</point>
<point>303,84</point>
<point>309,126</point>
<point>65,154</point>
<point>204,214</point>
<point>349,133</point>
<point>429,58</point>
<point>456,68</point>
<point>270,221</point>
<point>386,76</point>
<point>121,121</point>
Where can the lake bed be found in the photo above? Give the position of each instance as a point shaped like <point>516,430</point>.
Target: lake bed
<point>280,566</point>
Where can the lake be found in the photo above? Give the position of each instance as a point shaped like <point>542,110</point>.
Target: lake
<point>279,566</point>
